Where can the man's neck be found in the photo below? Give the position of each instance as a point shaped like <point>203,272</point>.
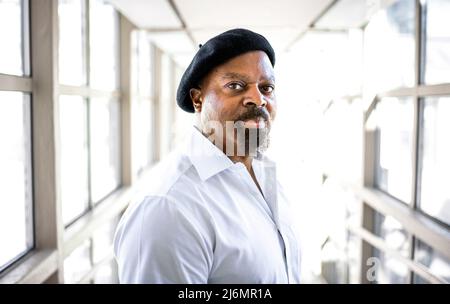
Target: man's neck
<point>246,160</point>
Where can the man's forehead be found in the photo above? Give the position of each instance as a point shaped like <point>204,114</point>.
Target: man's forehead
<point>245,76</point>
<point>248,65</point>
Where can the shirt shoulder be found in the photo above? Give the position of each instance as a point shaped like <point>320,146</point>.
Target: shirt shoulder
<point>155,235</point>
<point>174,174</point>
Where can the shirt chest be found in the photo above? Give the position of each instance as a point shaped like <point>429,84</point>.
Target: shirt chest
<point>247,240</point>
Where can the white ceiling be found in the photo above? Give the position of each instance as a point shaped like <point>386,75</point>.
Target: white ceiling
<point>279,37</point>
<point>148,13</point>
<point>345,14</point>
<point>176,41</point>
<point>206,14</point>
<point>281,21</point>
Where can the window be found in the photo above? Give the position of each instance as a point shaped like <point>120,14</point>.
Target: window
<point>353,251</point>
<point>89,120</point>
<point>143,100</point>
<point>435,170</point>
<point>103,51</point>
<point>342,129</point>
<point>340,249</point>
<point>438,264</point>
<point>394,119</point>
<point>78,263</point>
<point>14,57</point>
<point>106,274</point>
<point>102,241</point>
<point>16,206</point>
<point>74,156</point>
<point>93,260</point>
<point>104,146</point>
<point>16,220</point>
<point>389,48</point>
<point>168,104</point>
<point>400,125</point>
<point>437,41</point>
<point>72,44</point>
<point>391,270</point>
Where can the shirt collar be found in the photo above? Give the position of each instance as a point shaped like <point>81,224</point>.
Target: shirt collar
<point>207,159</point>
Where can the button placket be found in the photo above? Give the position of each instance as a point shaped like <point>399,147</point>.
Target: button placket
<point>253,189</point>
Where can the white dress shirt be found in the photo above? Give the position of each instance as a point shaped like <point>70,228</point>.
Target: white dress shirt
<point>203,220</point>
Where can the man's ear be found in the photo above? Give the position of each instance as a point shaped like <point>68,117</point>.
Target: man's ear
<point>196,97</point>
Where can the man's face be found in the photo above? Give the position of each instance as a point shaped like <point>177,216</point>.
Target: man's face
<point>239,92</point>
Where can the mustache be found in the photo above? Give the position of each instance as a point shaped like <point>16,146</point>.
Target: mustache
<point>254,113</point>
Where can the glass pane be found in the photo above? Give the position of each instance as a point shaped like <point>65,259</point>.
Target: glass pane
<point>16,219</point>
<point>143,134</point>
<point>72,64</point>
<point>389,48</point>
<point>337,250</point>
<point>437,263</point>
<point>102,241</point>
<point>78,263</point>
<point>105,147</point>
<point>103,31</point>
<point>435,174</point>
<point>353,254</point>
<point>74,157</point>
<point>394,117</point>
<point>11,29</point>
<point>437,44</point>
<point>107,274</point>
<point>167,105</point>
<point>142,91</point>
<point>145,66</point>
<point>135,62</point>
<point>390,270</point>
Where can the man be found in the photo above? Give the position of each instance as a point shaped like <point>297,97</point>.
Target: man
<point>215,212</point>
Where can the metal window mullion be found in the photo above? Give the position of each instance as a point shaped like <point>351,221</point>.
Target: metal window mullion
<point>87,92</point>
<point>87,102</point>
<point>29,216</point>
<point>26,62</point>
<point>416,124</point>
<point>88,97</point>
<point>125,52</point>
<point>86,40</point>
<point>381,245</point>
<point>420,90</point>
<point>15,83</point>
<point>414,222</point>
<point>436,89</point>
<point>91,251</point>
<point>45,130</point>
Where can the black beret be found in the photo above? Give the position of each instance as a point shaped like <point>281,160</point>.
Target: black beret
<point>216,51</point>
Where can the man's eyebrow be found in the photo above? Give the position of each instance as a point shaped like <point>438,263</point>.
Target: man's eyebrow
<point>232,75</point>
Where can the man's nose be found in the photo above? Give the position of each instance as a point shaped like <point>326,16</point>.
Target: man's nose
<point>254,97</point>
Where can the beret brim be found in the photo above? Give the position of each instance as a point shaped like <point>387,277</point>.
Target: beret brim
<point>215,52</point>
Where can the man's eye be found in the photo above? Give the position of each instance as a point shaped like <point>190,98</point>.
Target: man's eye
<point>268,89</point>
<point>235,86</point>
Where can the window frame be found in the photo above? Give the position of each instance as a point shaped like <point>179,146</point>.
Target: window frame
<point>421,226</point>
<point>23,84</point>
<point>53,243</point>
<point>88,92</point>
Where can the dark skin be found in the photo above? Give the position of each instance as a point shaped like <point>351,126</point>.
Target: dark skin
<point>231,89</point>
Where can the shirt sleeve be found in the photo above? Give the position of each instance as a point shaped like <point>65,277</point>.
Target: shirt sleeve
<point>164,242</point>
